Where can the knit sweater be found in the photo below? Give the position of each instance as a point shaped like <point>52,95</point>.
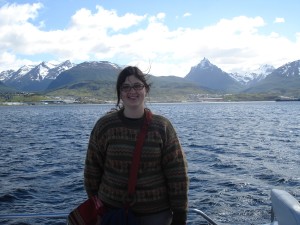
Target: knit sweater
<point>162,176</point>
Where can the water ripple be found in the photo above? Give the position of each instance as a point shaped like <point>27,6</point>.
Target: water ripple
<point>237,152</point>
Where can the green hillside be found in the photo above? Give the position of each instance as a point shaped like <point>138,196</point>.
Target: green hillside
<point>163,89</point>
<point>87,71</point>
<point>5,89</point>
<point>278,85</point>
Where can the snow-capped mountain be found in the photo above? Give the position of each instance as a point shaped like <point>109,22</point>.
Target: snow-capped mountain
<point>34,77</point>
<point>266,79</point>
<point>253,77</point>
<point>205,64</point>
<point>291,69</point>
<point>5,75</point>
<point>50,71</point>
<point>11,75</point>
<point>211,77</point>
<point>40,72</point>
<point>47,70</point>
<point>284,80</point>
<point>87,71</point>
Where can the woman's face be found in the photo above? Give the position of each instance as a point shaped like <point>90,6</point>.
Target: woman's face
<point>133,93</point>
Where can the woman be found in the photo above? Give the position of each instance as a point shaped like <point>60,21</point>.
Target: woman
<point>162,185</point>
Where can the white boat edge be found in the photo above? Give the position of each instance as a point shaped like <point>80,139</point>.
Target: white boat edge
<point>285,208</point>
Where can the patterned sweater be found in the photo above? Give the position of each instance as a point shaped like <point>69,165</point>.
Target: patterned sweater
<point>162,177</point>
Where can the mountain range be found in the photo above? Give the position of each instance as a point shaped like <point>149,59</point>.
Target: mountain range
<point>34,78</point>
<point>99,77</point>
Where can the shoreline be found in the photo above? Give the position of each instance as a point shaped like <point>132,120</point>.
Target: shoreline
<point>62,103</point>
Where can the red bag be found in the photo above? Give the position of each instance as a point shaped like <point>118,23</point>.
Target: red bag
<point>89,212</point>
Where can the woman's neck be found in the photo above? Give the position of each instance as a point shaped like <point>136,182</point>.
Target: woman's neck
<point>134,113</point>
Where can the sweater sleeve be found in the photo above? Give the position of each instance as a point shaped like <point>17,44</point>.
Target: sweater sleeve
<point>94,162</point>
<point>176,173</point>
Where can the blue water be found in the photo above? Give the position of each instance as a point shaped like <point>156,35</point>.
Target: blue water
<point>237,152</point>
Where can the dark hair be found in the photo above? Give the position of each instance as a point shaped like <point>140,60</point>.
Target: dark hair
<point>129,71</point>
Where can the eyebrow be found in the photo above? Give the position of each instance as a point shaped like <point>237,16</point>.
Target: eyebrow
<point>133,83</point>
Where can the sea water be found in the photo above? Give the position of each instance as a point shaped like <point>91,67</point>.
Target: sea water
<point>236,152</point>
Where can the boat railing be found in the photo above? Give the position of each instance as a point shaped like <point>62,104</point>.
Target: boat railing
<point>33,215</point>
<point>204,216</point>
<point>285,210</point>
<point>64,215</point>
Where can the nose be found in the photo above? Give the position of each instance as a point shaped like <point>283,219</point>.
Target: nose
<point>132,90</point>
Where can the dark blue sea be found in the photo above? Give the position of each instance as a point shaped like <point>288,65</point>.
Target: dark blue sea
<point>237,152</point>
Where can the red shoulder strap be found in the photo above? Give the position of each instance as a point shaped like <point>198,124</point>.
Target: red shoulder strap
<point>137,153</point>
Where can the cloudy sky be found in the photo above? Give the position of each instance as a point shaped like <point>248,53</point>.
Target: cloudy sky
<point>166,36</point>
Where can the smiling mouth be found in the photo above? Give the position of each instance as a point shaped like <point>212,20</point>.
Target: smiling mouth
<point>132,96</point>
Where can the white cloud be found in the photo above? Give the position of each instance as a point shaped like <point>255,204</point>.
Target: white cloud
<point>279,20</point>
<point>187,14</point>
<point>6,58</point>
<point>104,19</point>
<point>158,17</point>
<point>18,14</point>
<point>161,16</point>
<point>9,61</point>
<point>232,44</point>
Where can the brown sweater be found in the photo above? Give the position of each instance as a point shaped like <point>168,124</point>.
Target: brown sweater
<point>162,177</point>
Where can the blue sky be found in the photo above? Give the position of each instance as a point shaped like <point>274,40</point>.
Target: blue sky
<point>168,36</point>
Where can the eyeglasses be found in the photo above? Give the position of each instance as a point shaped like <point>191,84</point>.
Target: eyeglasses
<point>136,87</point>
